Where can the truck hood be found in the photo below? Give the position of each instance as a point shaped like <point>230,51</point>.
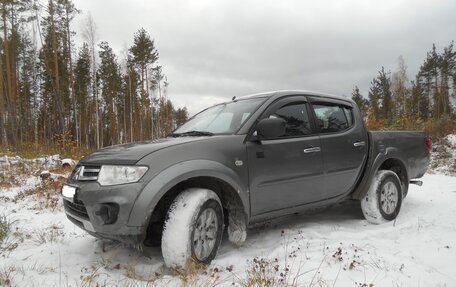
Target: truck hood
<point>131,153</point>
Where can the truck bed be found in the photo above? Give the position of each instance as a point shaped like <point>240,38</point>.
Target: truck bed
<point>407,147</point>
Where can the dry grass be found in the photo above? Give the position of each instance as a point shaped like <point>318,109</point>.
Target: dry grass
<point>5,227</point>
<point>46,194</point>
<point>7,275</point>
<point>131,273</point>
<point>266,272</point>
<point>96,277</point>
<point>40,236</point>
<point>197,274</point>
<point>12,175</point>
<point>8,180</point>
<point>10,239</point>
<point>16,173</point>
<point>442,157</point>
<point>91,279</point>
<point>31,150</point>
<point>439,128</point>
<point>37,268</point>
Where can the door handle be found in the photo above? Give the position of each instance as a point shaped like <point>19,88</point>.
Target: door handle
<point>358,144</point>
<point>312,149</point>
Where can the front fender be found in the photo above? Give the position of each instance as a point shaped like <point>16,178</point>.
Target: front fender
<point>166,179</point>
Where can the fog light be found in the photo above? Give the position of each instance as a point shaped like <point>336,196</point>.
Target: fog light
<point>108,212</point>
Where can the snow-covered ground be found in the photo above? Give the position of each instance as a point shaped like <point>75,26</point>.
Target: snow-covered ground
<point>334,247</point>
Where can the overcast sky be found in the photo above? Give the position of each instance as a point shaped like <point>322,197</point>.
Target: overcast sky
<point>213,50</point>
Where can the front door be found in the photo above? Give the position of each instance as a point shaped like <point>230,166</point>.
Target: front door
<point>287,171</point>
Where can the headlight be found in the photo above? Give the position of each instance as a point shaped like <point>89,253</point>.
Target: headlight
<point>118,174</point>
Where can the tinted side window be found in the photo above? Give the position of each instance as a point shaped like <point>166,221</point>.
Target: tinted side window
<point>349,114</point>
<point>332,118</point>
<point>296,117</point>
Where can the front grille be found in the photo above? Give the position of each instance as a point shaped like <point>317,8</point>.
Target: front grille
<point>77,208</point>
<point>86,172</point>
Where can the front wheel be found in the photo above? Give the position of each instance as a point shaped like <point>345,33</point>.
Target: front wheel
<point>384,198</point>
<point>193,228</point>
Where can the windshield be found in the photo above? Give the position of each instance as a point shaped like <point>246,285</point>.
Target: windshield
<point>225,118</point>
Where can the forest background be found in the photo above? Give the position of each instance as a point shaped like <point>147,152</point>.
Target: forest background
<point>56,97</point>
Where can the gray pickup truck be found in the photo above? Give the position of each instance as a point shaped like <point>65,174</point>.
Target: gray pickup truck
<point>241,162</point>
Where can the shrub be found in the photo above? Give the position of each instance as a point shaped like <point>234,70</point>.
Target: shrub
<point>5,227</point>
<point>265,272</point>
<point>439,128</point>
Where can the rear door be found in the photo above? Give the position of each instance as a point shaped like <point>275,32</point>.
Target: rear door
<point>286,171</point>
<point>343,140</point>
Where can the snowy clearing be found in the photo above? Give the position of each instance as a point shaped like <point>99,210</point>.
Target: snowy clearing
<point>334,247</point>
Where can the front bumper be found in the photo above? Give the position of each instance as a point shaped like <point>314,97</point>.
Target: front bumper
<point>103,211</point>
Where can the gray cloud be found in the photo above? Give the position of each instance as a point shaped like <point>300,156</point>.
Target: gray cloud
<point>213,50</point>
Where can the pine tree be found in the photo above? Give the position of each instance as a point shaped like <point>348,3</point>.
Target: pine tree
<point>69,12</point>
<point>130,88</point>
<point>362,103</point>
<point>419,102</point>
<point>82,85</point>
<point>27,88</point>
<point>447,71</point>
<point>144,54</point>
<point>90,36</point>
<point>387,107</point>
<point>13,14</point>
<point>400,90</point>
<point>429,75</point>
<point>180,116</point>
<point>374,120</point>
<point>48,95</point>
<point>111,89</point>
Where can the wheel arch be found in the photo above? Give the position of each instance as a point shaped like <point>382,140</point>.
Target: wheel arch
<point>397,166</point>
<point>383,162</point>
<point>152,204</point>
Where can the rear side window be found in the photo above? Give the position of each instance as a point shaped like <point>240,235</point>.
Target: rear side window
<point>296,117</point>
<point>333,118</point>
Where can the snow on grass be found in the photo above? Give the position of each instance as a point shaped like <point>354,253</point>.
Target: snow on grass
<point>334,247</point>
<point>416,250</point>
<point>443,156</point>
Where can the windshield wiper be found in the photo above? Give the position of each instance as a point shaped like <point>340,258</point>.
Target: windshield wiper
<point>192,134</point>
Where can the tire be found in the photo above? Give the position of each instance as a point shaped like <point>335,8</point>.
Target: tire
<point>383,200</point>
<point>193,228</point>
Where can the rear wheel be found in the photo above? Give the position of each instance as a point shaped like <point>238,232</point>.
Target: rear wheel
<point>193,228</point>
<point>384,198</point>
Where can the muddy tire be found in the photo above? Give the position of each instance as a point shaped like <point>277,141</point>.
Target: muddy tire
<point>383,200</point>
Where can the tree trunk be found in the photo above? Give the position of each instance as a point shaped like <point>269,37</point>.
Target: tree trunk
<point>141,113</point>
<point>131,106</point>
<point>160,123</point>
<point>95,91</point>
<point>3,136</point>
<point>151,112</point>
<point>123,138</point>
<point>14,94</point>
<point>58,100</point>
<point>11,100</point>
<point>73,96</point>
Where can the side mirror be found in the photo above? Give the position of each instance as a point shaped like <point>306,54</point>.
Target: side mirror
<point>271,128</point>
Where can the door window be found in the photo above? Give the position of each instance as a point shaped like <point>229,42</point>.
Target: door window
<point>296,118</point>
<point>333,118</point>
